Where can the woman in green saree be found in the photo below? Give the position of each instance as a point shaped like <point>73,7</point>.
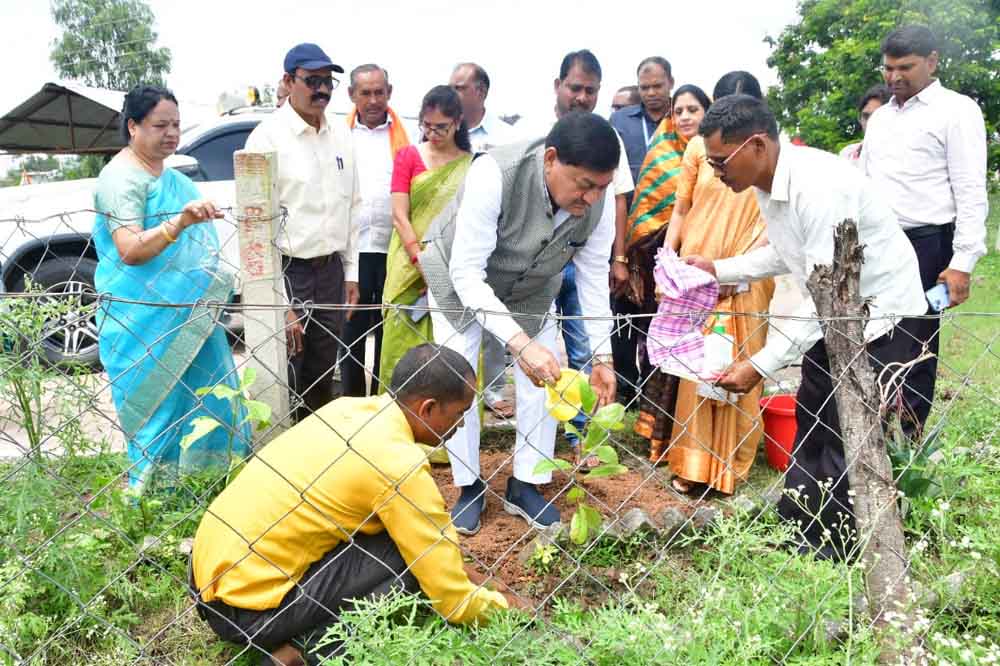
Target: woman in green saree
<point>426,184</point>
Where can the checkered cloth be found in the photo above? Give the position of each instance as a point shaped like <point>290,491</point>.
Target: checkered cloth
<point>676,342</point>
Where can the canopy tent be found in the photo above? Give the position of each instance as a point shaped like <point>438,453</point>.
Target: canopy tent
<point>64,118</point>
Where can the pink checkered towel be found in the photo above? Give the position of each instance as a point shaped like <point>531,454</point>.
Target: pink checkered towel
<point>675,342</point>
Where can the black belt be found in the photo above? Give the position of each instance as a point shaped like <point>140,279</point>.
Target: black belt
<point>929,230</point>
<point>312,262</point>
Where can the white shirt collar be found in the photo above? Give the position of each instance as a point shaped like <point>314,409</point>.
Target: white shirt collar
<point>358,125</point>
<point>782,173</point>
<point>297,124</point>
<point>928,95</point>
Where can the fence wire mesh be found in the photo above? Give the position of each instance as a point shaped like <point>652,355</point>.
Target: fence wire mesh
<point>99,515</point>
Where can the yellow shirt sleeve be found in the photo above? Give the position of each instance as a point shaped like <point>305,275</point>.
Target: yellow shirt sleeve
<point>414,514</point>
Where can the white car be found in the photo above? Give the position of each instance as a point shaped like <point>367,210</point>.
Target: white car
<point>45,231</point>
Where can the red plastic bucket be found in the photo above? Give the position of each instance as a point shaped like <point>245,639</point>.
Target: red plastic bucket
<point>779,429</point>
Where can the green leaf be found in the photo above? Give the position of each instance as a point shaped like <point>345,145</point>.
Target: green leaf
<point>552,464</point>
<point>590,516</point>
<point>575,494</point>
<point>606,470</point>
<point>610,417</point>
<point>595,437</point>
<point>607,454</point>
<point>258,412</point>
<point>578,527</point>
<point>588,399</point>
<point>200,427</point>
<point>220,391</point>
<point>249,377</point>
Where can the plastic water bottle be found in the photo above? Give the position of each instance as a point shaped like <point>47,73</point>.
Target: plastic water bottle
<point>718,357</point>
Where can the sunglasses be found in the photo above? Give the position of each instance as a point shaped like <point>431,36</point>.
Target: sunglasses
<point>315,81</point>
<point>721,166</point>
<point>439,129</point>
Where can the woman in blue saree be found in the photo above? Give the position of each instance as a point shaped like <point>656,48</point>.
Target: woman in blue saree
<point>156,254</point>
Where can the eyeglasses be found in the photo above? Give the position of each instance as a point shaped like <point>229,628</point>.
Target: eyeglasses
<point>438,129</point>
<point>315,81</point>
<point>721,166</point>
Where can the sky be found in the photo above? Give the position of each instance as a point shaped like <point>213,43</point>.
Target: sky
<point>226,45</point>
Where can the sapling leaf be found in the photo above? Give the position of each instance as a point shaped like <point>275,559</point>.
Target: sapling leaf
<point>588,398</point>
<point>578,527</point>
<point>200,427</point>
<point>552,464</point>
<point>607,454</point>
<point>590,515</point>
<point>610,417</point>
<point>249,377</point>
<point>220,391</point>
<point>575,494</point>
<point>606,470</point>
<point>258,412</point>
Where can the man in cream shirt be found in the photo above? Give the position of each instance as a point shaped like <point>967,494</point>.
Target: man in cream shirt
<point>317,184</point>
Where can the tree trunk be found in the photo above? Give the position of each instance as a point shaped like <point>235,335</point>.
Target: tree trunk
<point>836,292</point>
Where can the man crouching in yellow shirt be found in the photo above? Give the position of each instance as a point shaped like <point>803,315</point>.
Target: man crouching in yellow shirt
<point>341,506</point>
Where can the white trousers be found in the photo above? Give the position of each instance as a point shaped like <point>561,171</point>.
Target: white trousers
<point>536,430</point>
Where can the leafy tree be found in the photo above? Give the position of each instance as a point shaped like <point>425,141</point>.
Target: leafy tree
<point>827,61</point>
<point>108,43</point>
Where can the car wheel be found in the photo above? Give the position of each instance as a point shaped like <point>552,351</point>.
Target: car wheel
<point>70,338</point>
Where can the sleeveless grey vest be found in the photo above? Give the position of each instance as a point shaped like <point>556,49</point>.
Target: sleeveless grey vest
<point>525,270</point>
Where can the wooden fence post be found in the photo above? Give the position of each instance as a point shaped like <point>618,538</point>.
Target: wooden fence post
<point>836,292</point>
<point>258,214</point>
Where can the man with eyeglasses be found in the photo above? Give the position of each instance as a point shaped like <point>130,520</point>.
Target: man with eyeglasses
<point>804,194</point>
<point>317,184</point>
<point>528,210</point>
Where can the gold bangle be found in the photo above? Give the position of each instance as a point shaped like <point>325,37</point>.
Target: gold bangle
<point>166,234</point>
<point>602,359</point>
<point>621,259</point>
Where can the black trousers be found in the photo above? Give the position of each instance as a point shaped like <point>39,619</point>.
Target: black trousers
<point>933,245</point>
<point>624,346</point>
<point>318,281</point>
<point>371,279</point>
<point>816,482</point>
<point>366,568</point>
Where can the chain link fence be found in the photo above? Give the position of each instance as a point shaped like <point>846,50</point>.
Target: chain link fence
<point>95,550</point>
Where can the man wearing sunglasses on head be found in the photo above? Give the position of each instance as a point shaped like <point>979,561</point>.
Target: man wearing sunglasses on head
<point>804,194</point>
<point>317,184</point>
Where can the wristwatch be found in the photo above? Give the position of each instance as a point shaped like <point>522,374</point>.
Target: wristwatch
<point>602,359</point>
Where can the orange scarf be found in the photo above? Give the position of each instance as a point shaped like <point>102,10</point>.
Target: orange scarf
<point>397,133</point>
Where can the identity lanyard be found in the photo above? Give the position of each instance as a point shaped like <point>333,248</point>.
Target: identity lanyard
<point>645,131</point>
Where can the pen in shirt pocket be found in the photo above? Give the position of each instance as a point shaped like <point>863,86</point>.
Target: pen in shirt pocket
<point>340,162</point>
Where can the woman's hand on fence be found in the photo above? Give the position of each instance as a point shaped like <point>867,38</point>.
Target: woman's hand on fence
<point>293,333</point>
<point>195,212</point>
<point>602,380</point>
<point>740,377</point>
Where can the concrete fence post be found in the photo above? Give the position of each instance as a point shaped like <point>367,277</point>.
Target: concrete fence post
<point>258,214</point>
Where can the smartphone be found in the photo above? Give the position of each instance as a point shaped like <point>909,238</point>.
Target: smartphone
<point>937,296</point>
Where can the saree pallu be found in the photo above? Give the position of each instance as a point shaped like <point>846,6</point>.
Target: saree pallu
<point>655,189</point>
<point>158,352</point>
<point>652,206</point>
<point>433,194</point>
